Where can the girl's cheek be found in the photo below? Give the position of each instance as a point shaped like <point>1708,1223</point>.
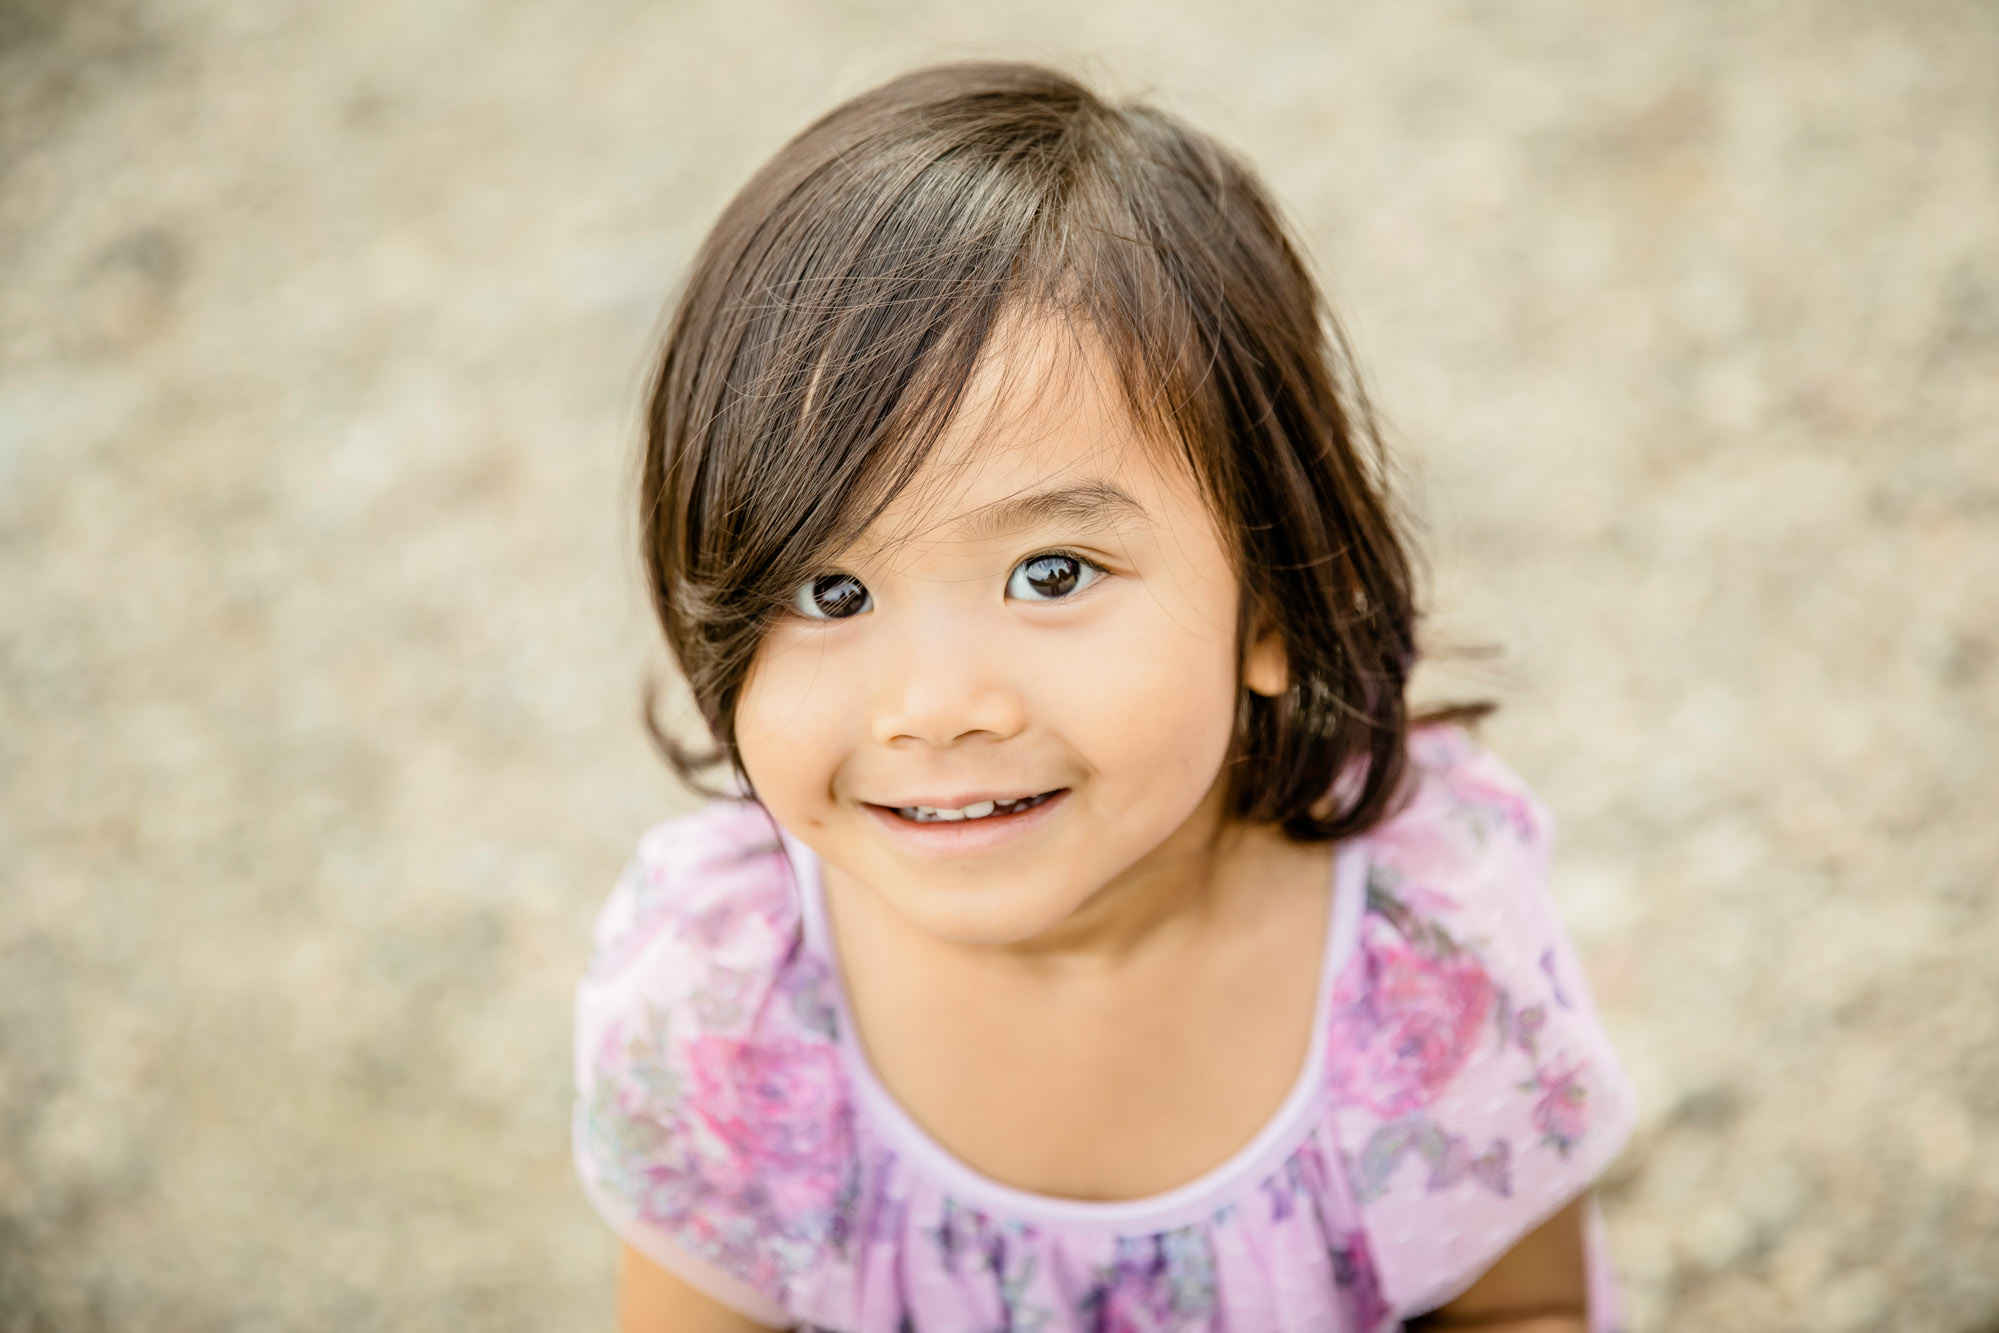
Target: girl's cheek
<point>799,672</point>
<point>1144,691</point>
<point>784,711</point>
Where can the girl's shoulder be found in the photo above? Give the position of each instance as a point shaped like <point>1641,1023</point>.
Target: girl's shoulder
<point>1472,1088</point>
<point>712,1128</point>
<point>712,877</point>
<point>1462,811</point>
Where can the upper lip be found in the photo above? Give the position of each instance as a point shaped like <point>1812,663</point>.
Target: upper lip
<point>996,796</point>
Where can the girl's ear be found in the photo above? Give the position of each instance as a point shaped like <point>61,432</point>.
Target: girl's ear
<point>1265,668</point>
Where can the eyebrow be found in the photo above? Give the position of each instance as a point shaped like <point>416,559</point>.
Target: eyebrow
<point>1096,504</point>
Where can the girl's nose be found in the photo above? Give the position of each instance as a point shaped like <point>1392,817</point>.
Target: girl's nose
<point>946,688</point>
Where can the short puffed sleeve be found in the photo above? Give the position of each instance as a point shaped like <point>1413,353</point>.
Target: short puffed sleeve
<point>1473,1089</point>
<point>712,1128</point>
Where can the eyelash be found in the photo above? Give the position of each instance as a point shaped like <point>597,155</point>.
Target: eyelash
<point>805,599</point>
<point>1090,568</point>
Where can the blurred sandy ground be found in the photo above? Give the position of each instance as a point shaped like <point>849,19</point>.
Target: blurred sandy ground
<point>322,328</point>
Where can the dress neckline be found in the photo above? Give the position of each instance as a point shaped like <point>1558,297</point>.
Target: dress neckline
<point>1255,1161</point>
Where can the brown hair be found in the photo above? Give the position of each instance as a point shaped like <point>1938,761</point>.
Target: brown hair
<point>835,314</point>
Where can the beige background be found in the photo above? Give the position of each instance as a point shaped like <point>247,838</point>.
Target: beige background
<point>322,328</point>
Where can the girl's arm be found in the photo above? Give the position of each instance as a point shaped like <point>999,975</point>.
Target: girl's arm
<point>1538,1286</point>
<point>652,1300</point>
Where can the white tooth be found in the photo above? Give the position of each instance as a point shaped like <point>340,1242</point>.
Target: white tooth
<point>948,815</point>
<point>922,814</point>
<point>978,810</point>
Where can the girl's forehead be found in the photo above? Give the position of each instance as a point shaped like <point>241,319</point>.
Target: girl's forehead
<point>1041,434</point>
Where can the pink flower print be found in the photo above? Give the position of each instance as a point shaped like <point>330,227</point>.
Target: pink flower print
<point>717,924</point>
<point>1405,1022</point>
<point>1421,851</point>
<point>1505,803</point>
<point>777,1112</point>
<point>644,911</point>
<point>1562,1113</point>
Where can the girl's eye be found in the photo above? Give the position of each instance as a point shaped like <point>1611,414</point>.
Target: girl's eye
<point>832,597</point>
<point>1046,578</point>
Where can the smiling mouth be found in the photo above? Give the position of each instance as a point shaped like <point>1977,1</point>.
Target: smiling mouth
<point>978,810</point>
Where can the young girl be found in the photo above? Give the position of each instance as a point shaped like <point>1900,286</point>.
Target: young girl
<point>1102,944</point>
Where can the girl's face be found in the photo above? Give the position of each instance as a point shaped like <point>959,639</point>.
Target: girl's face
<point>1018,688</point>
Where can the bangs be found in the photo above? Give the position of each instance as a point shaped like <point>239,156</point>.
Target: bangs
<point>855,319</point>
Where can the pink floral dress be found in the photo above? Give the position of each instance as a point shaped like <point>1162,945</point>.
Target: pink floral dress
<point>1459,1090</point>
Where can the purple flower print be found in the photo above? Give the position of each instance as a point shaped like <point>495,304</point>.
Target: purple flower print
<point>1554,982</point>
<point>1302,1178</point>
<point>1527,1025</point>
<point>1562,1113</point>
<point>1354,1274</point>
<point>777,1112</point>
<point>1130,1301</point>
<point>968,1240</point>
<point>1154,1284</point>
<point>1451,1160</point>
<point>1405,1021</point>
<point>1449,1157</point>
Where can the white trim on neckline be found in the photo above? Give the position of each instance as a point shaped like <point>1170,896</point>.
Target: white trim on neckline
<point>1288,1127</point>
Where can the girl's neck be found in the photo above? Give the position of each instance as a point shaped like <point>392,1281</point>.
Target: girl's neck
<point>1153,1034</point>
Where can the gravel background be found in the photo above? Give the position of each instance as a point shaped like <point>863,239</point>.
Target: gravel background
<point>322,329</point>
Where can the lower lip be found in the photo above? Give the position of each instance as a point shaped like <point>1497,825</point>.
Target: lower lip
<point>961,837</point>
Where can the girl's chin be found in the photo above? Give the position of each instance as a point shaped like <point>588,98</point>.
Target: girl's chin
<point>982,918</point>
<point>947,839</point>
